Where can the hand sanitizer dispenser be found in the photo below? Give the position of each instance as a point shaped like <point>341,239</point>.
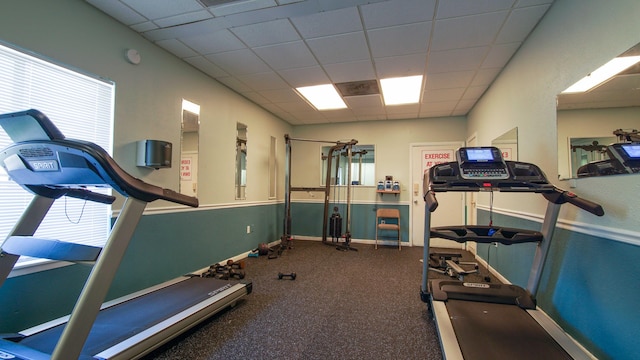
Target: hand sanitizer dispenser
<point>154,154</point>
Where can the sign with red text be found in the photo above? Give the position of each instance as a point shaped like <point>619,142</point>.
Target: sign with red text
<point>435,157</point>
<point>507,153</point>
<point>185,168</point>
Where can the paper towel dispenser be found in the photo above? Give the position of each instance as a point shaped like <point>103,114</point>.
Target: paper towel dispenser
<point>154,154</point>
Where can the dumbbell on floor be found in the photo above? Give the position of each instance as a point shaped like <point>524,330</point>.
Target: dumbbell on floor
<point>292,276</point>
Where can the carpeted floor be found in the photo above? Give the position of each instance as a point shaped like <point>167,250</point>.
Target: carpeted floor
<point>342,305</point>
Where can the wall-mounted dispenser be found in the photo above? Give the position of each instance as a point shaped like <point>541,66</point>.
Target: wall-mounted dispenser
<point>154,154</point>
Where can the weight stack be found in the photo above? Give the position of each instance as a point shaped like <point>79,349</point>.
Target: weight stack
<point>335,226</point>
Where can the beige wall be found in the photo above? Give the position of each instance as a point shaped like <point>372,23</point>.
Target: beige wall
<point>148,103</point>
<point>574,38</point>
<point>392,151</point>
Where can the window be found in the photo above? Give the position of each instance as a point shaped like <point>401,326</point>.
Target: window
<point>362,166</point>
<point>81,106</point>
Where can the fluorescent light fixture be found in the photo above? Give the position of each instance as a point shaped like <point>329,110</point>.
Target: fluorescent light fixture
<point>401,90</point>
<point>322,97</point>
<point>602,74</point>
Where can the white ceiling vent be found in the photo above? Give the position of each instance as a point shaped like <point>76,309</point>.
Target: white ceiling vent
<point>358,88</point>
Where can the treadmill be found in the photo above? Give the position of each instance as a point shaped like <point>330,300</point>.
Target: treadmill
<point>486,320</point>
<point>50,166</point>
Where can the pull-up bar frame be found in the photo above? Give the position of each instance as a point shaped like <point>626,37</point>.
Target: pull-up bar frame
<point>338,145</point>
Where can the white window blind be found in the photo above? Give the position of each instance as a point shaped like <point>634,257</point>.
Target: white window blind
<point>81,106</point>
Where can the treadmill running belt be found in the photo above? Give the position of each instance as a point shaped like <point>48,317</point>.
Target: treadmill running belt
<point>499,331</point>
<point>120,322</point>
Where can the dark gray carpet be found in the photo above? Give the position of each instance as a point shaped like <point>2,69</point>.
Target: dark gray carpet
<point>342,305</point>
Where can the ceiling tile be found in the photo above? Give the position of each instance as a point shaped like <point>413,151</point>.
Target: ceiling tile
<point>485,76</point>
<point>391,13</point>
<point>474,92</point>
<point>443,95</point>
<point>263,49</point>
<point>281,95</point>
<point>266,33</point>
<point>118,11</point>
<point>350,71</point>
<point>520,23</point>
<point>239,62</point>
<point>234,84</point>
<point>499,55</point>
<point>183,18</point>
<point>211,43</point>
<point>525,3</point>
<point>145,26</point>
<point>206,66</point>
<point>340,48</point>
<point>307,76</point>
<point>177,48</point>
<point>263,81</point>
<point>156,9</point>
<point>467,31</point>
<point>241,6</point>
<point>328,23</point>
<point>449,80</point>
<point>456,60</point>
<point>409,109</point>
<point>449,9</point>
<point>256,97</point>
<point>386,41</point>
<point>366,104</point>
<point>287,55</point>
<point>395,66</point>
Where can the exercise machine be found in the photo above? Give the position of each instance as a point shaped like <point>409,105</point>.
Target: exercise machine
<point>326,190</point>
<point>51,166</point>
<point>495,321</point>
<point>451,264</point>
<point>624,158</point>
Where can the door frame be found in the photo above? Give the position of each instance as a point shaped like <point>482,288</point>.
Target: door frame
<point>455,144</point>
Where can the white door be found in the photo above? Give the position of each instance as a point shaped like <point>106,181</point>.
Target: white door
<point>450,204</point>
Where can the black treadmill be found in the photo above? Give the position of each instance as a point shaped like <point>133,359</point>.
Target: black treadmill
<point>50,166</point>
<point>486,320</point>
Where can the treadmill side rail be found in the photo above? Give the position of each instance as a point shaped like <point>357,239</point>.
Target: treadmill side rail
<point>448,340</point>
<point>157,335</point>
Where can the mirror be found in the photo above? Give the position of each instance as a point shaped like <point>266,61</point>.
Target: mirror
<point>189,147</point>
<point>362,166</point>
<point>508,144</point>
<point>241,161</point>
<point>588,120</point>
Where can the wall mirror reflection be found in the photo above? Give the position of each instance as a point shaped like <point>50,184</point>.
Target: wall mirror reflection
<point>241,161</point>
<point>605,113</point>
<point>189,147</point>
<point>508,144</point>
<point>362,166</point>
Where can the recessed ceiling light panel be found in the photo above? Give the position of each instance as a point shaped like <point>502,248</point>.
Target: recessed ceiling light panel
<point>322,97</point>
<point>401,90</point>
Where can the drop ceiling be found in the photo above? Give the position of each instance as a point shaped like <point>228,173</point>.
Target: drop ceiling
<point>263,49</point>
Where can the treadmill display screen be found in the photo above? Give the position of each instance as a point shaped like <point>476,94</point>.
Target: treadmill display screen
<point>479,155</point>
<point>632,150</point>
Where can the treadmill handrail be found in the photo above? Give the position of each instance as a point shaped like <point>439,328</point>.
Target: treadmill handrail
<point>102,164</point>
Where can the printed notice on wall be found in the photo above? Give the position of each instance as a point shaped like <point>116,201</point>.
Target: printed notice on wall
<point>185,168</point>
<point>435,157</point>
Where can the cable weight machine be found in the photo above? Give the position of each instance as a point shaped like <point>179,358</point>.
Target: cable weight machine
<point>285,240</point>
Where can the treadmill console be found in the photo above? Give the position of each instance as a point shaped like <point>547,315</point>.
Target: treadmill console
<point>624,158</point>
<point>477,163</point>
<point>628,154</point>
